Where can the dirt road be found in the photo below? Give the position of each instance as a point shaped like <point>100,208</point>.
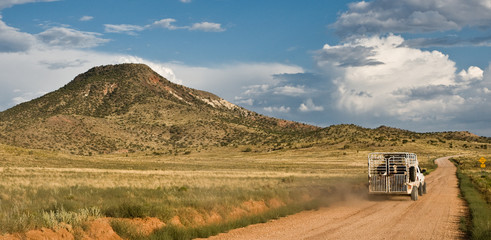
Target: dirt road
<point>434,216</point>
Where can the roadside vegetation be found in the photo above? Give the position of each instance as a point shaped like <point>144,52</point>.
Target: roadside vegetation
<point>475,187</point>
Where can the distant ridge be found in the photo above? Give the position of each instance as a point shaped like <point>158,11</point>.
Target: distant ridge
<point>388,136</point>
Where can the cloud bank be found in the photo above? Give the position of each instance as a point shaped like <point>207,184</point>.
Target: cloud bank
<point>383,78</point>
<point>409,16</point>
<point>375,70</point>
<point>389,80</point>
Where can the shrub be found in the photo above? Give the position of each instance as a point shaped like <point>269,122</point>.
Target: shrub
<point>53,219</point>
<point>247,150</point>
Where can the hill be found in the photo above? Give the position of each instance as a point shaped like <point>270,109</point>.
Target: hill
<point>129,107</point>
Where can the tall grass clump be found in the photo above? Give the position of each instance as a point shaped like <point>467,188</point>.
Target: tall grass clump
<point>54,219</point>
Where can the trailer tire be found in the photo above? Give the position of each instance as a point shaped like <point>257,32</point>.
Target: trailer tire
<point>424,188</point>
<point>414,194</point>
<point>420,190</point>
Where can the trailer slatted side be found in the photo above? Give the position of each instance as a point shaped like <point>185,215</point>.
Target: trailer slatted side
<point>397,183</point>
<point>388,172</point>
<point>378,183</point>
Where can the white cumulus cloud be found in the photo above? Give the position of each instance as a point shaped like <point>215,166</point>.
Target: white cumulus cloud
<point>290,90</point>
<point>86,18</point>
<point>244,101</point>
<point>123,28</point>
<point>70,38</point>
<point>472,73</point>
<point>166,23</point>
<point>281,109</point>
<point>207,27</point>
<point>309,106</point>
<point>384,70</point>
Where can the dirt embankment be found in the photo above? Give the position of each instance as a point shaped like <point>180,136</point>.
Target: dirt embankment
<point>101,228</point>
<point>97,229</point>
<point>434,216</point>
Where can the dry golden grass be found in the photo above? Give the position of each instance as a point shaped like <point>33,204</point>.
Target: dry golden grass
<point>217,181</point>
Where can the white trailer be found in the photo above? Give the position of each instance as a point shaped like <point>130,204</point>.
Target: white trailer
<point>395,173</point>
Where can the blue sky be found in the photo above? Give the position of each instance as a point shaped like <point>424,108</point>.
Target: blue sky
<point>417,65</point>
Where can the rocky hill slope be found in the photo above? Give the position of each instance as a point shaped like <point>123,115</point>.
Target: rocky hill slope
<point>129,107</point>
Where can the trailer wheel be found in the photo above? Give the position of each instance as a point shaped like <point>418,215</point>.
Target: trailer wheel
<point>420,190</point>
<point>424,188</point>
<point>414,193</point>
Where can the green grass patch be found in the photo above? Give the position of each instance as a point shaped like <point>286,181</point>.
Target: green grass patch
<point>479,225</point>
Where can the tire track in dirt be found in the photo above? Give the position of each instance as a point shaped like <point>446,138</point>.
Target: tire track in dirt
<point>434,216</point>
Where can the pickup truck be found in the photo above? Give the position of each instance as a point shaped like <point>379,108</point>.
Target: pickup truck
<point>395,173</point>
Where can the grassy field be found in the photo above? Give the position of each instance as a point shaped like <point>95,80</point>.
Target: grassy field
<point>475,185</point>
<point>194,194</point>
